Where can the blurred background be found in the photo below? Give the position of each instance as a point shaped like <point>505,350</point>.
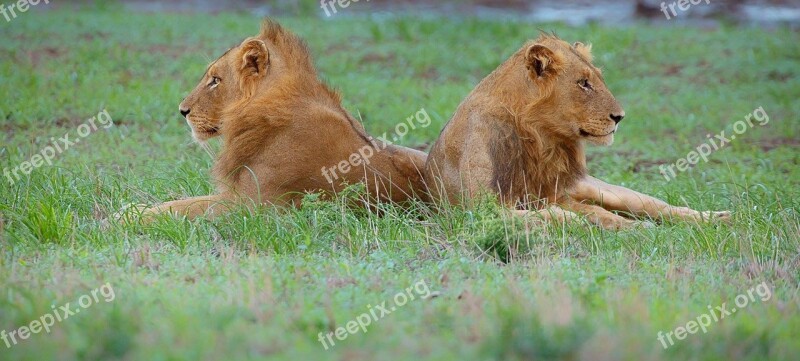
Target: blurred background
<point>266,284</point>
<point>574,12</point>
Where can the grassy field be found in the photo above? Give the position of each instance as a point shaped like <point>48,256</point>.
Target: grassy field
<point>265,285</point>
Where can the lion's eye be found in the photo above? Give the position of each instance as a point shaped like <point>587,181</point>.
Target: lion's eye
<point>584,83</point>
<point>214,82</point>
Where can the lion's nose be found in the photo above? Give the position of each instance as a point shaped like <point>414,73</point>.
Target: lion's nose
<point>184,112</point>
<point>617,117</point>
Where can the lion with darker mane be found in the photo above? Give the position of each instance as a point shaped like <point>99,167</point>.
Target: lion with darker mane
<point>520,135</point>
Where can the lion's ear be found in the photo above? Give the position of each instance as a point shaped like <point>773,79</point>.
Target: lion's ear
<point>542,62</point>
<point>254,58</point>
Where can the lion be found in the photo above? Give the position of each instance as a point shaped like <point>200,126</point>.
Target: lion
<point>520,135</point>
<point>284,133</point>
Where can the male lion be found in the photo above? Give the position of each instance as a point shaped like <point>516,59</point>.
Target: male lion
<point>520,134</point>
<point>281,127</point>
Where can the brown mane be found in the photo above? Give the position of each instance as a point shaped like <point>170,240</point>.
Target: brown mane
<point>528,171</point>
<point>250,122</point>
<point>517,115</point>
<point>529,164</point>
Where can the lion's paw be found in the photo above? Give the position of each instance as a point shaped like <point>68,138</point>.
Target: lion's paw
<point>129,213</point>
<point>717,216</point>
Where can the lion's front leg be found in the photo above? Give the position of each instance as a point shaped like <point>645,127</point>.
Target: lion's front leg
<point>573,211</point>
<point>551,214</point>
<point>210,206</point>
<point>616,198</point>
<point>601,217</point>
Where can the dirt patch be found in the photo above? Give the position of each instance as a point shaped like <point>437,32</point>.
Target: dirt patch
<point>673,70</point>
<point>769,144</point>
<point>779,76</point>
<point>94,35</point>
<point>167,49</point>
<point>372,58</point>
<point>36,57</point>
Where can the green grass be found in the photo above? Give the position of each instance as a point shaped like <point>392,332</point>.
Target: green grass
<point>263,285</point>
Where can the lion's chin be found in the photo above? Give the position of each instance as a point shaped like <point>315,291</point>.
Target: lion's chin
<point>203,132</point>
<point>202,135</point>
<point>605,140</point>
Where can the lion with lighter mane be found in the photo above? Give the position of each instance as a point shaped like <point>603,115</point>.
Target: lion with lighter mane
<point>520,134</point>
<point>281,128</point>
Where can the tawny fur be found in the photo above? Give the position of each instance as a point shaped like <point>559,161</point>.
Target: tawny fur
<point>520,135</point>
<point>280,127</point>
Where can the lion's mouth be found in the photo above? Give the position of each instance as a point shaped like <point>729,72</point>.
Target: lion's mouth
<point>205,132</point>
<point>587,134</point>
<point>202,125</point>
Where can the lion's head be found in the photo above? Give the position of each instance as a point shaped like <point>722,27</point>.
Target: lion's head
<point>240,73</point>
<point>572,89</point>
<point>223,85</point>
